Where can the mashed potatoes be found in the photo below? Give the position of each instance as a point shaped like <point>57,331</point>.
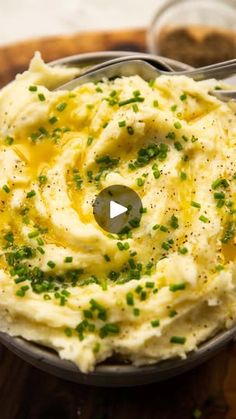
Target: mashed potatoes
<point>158,289</point>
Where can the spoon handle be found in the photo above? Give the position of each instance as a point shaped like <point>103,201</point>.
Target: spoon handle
<point>225,95</point>
<point>218,71</point>
<point>110,71</point>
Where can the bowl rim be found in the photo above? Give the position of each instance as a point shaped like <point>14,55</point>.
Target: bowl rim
<point>114,375</point>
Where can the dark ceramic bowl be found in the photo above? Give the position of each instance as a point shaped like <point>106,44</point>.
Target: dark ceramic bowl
<point>113,373</point>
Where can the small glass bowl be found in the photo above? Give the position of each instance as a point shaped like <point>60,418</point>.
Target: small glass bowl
<point>197,32</point>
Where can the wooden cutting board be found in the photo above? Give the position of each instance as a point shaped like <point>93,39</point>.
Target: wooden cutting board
<point>15,58</point>
<point>27,393</point>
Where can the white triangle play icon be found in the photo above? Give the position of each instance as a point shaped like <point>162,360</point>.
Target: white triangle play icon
<point>116,209</point>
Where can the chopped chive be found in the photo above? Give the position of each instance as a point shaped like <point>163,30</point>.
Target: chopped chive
<point>9,238</point>
<point>149,284</point>
<point>43,130</point>
<point>183,176</point>
<point>109,328</point>
<point>143,295</point>
<point>178,339</point>
<point>171,135</point>
<point>21,292</point>
<point>30,194</point>
<point>135,108</point>
<point>6,189</point>
<point>177,125</point>
<point>155,323</point>
<point>173,313</point>
<point>9,140</point>
<point>88,314</point>
<point>33,88</point>
<point>165,246</point>
<point>68,259</point>
<point>138,289</point>
<point>156,174</point>
<point>122,246</point>
<point>107,258</point>
<point>140,181</point>
<point>51,264</point>
<point>178,146</point>
<point>34,136</point>
<point>90,174</point>
<point>183,97</point>
<point>122,124</point>
<point>195,204</point>
<point>68,332</point>
<point>220,203</point>
<point>173,108</point>
<point>155,103</point>
<point>204,219</point>
<point>33,234</point>
<point>220,182</point>
<point>41,97</point>
<point>61,106</point>
<point>174,222</point>
<point>229,232</point>
<point>99,90</point>
<point>130,130</point>
<point>131,100</point>
<point>183,250</point>
<point>136,312</point>
<point>42,179</point>
<point>40,241</point>
<point>78,180</point>
<point>163,228</point>
<point>219,195</point>
<point>130,299</point>
<point>113,93</point>
<point>219,268</point>
<point>53,120</point>
<point>177,287</point>
<point>156,226</point>
<point>96,347</point>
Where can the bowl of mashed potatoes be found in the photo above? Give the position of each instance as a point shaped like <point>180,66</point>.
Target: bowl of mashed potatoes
<point>160,295</point>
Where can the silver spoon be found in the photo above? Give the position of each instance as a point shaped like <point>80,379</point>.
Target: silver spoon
<point>150,69</point>
<point>109,57</point>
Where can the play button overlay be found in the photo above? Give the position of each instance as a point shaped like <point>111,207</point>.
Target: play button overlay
<point>117,209</point>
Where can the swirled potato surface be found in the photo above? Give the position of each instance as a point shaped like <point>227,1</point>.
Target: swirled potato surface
<point>159,288</point>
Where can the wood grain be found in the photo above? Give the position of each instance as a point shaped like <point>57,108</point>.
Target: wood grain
<point>15,58</point>
<point>27,393</point>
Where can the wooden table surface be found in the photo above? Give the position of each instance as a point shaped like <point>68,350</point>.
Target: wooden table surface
<point>28,393</point>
